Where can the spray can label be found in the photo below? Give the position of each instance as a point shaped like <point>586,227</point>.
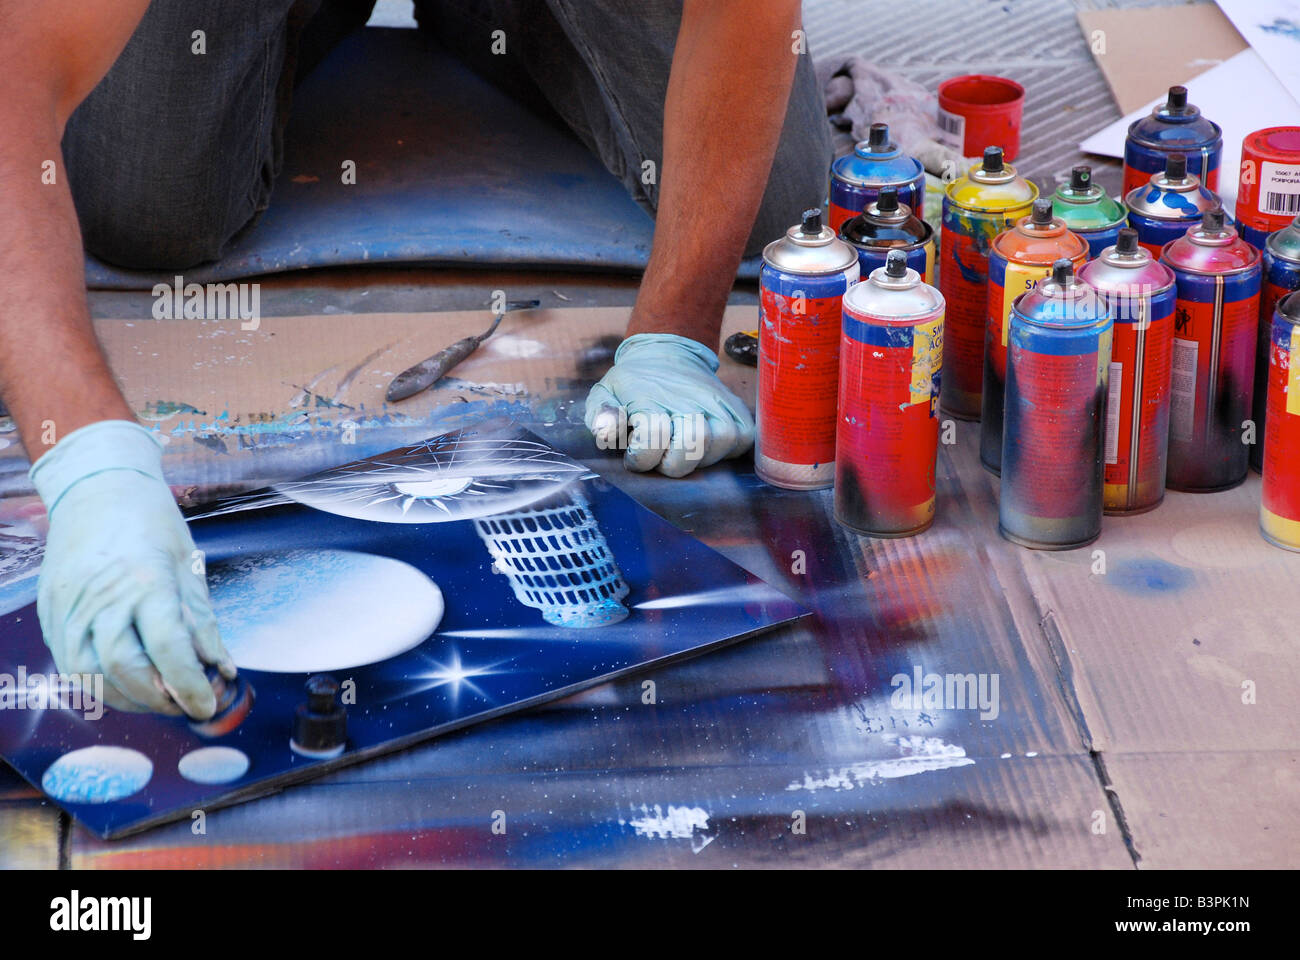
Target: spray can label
<point>1280,495</point>
<point>888,433</point>
<point>1055,401</point>
<point>963,280</point>
<point>1212,379</point>
<point>1280,278</point>
<point>1137,410</point>
<point>799,335</point>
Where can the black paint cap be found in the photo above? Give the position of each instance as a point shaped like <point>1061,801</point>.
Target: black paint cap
<point>887,200</point>
<point>1042,215</point>
<point>896,264</point>
<point>992,159</point>
<point>1176,166</point>
<point>1127,241</point>
<point>812,222</point>
<point>878,137</point>
<point>1177,101</point>
<point>1080,178</point>
<point>321,724</point>
<point>1063,271</point>
<point>1212,220</point>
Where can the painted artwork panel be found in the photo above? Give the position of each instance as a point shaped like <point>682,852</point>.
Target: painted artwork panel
<point>445,583</point>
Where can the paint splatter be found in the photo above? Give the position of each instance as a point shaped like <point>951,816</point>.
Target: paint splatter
<point>678,823</point>
<point>213,765</point>
<point>916,755</point>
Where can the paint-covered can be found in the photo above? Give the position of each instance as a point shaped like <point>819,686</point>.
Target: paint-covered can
<point>1213,365</point>
<point>1139,293</point>
<point>1057,366</point>
<point>1174,126</point>
<point>887,225</point>
<point>888,433</point>
<point>1268,193</point>
<point>1018,259</point>
<point>1088,211</point>
<point>801,286</point>
<point>876,162</point>
<point>1168,206</point>
<point>976,208</point>
<point>1279,508</point>
<point>1281,266</point>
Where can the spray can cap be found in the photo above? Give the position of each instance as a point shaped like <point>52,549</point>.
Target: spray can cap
<point>887,201</point>
<point>896,264</point>
<point>1176,166</point>
<point>1127,241</point>
<point>1063,272</point>
<point>1042,213</point>
<point>1081,178</point>
<point>878,138</point>
<point>992,160</point>
<point>1177,100</point>
<point>811,224</point>
<point>1212,220</point>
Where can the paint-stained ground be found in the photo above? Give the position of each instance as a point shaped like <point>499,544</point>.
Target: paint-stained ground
<point>1143,714</point>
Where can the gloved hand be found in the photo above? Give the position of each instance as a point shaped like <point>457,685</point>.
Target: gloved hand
<point>117,593</point>
<point>663,395</point>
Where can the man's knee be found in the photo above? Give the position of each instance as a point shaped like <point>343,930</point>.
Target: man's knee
<point>120,230</point>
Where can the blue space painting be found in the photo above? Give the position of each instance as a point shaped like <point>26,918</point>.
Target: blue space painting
<point>547,580</point>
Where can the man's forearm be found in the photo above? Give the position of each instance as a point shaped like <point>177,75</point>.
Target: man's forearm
<point>52,372</point>
<point>53,376</point>
<point>732,70</point>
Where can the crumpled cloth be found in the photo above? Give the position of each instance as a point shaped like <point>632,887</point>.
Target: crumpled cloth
<point>859,93</point>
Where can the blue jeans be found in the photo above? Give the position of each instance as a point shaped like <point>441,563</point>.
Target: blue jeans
<point>174,153</point>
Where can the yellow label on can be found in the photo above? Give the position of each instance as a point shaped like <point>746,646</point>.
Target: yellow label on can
<point>1019,279</point>
<point>1293,372</point>
<point>929,262</point>
<point>927,358</point>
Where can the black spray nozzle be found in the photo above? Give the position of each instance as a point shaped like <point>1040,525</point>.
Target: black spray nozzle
<point>896,264</point>
<point>878,137</point>
<point>1212,220</point>
<point>1063,271</point>
<point>992,159</point>
<point>812,222</point>
<point>321,691</point>
<point>1127,241</point>
<point>1042,215</point>
<point>887,200</point>
<point>1081,178</point>
<point>320,725</point>
<point>1177,101</point>
<point>1176,166</point>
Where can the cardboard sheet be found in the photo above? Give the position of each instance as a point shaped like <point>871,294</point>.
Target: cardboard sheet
<point>1143,51</point>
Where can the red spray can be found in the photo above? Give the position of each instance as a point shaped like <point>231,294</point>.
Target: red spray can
<point>1279,508</point>
<point>888,434</point>
<point>1018,259</point>
<point>1139,292</point>
<point>1215,319</point>
<point>1268,197</point>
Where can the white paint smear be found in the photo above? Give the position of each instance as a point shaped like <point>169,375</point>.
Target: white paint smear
<point>916,755</point>
<point>679,823</point>
<point>98,774</point>
<point>305,611</point>
<point>213,765</point>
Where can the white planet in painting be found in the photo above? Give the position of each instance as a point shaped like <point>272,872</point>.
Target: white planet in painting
<point>307,611</point>
<point>213,765</point>
<point>97,774</point>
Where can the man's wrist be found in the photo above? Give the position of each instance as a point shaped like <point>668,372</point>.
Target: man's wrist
<point>94,449</point>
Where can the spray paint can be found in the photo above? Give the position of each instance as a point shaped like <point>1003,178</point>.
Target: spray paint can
<point>876,162</point>
<point>1139,293</point>
<point>1018,259</point>
<point>1174,126</point>
<point>1215,326</point>
<point>1268,194</point>
<point>976,208</point>
<point>1057,366</point>
<point>888,434</point>
<point>1281,267</point>
<point>1279,508</point>
<point>888,225</point>
<point>801,285</point>
<point>1088,212</point>
<point>1168,206</point>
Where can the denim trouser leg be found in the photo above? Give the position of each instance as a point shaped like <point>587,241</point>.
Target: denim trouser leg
<point>174,152</point>
<point>603,66</point>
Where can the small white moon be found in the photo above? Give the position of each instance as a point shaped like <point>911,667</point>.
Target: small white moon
<point>97,774</point>
<point>213,765</point>
<point>309,611</point>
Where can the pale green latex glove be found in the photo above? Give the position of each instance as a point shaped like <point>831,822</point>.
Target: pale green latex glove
<point>117,593</point>
<point>664,401</point>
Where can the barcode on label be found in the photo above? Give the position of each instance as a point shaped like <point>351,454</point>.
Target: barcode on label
<point>1115,392</point>
<point>952,128</point>
<point>1288,203</point>
<point>1279,188</point>
<point>1182,390</point>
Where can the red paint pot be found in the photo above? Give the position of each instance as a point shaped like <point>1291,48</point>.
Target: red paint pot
<point>978,111</point>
